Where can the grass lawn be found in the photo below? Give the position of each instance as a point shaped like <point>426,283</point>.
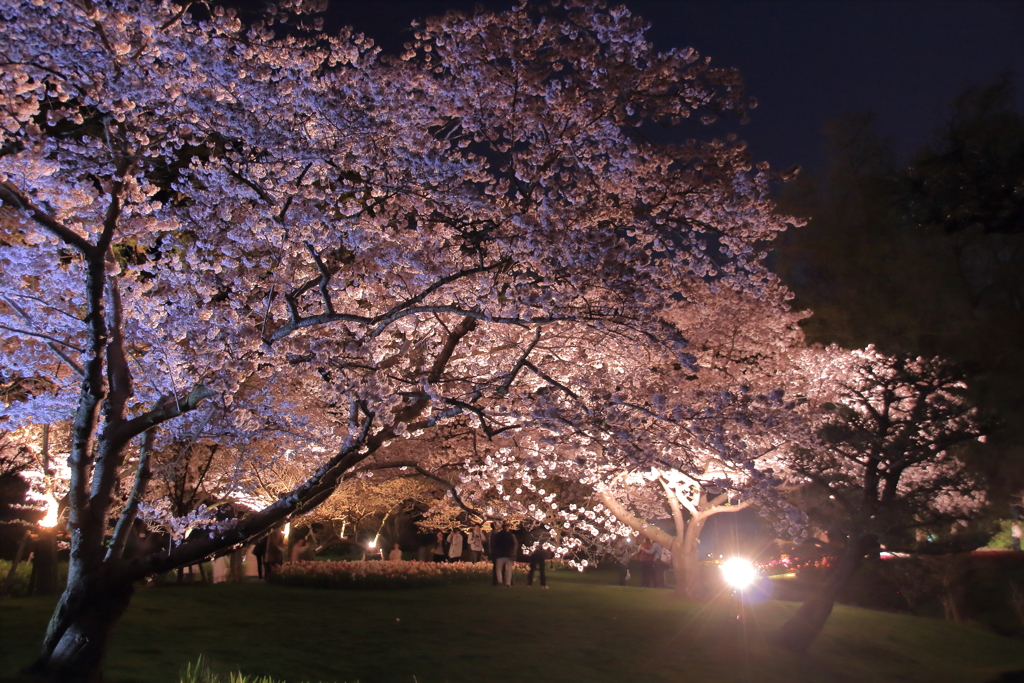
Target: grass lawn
<point>580,630</point>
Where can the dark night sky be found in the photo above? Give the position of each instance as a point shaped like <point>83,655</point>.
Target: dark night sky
<point>806,61</point>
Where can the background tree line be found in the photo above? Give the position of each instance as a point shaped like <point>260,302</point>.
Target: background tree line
<point>925,256</point>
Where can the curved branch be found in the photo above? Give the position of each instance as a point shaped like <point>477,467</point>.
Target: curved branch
<point>324,280</point>
<point>40,335</point>
<point>631,520</point>
<point>716,509</point>
<point>473,512</point>
<point>381,322</point>
<point>10,194</point>
<point>673,504</point>
<point>442,282</point>
<point>142,476</point>
<point>169,408</point>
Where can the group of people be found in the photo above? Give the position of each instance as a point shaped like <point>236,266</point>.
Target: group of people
<point>654,559</point>
<point>502,546</point>
<point>502,549</point>
<point>269,552</point>
<point>450,547</point>
<point>272,551</point>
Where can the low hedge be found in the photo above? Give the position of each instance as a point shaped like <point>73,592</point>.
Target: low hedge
<point>383,574</point>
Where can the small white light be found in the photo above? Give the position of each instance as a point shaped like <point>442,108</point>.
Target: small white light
<point>738,573</point>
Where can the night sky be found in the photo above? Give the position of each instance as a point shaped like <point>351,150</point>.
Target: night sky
<point>806,61</point>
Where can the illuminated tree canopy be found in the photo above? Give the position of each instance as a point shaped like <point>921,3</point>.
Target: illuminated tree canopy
<point>279,242</point>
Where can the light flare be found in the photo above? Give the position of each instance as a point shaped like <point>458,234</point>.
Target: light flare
<point>738,573</point>
<point>49,520</point>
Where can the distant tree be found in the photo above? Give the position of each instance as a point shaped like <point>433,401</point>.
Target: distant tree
<point>672,443</point>
<point>16,513</point>
<point>970,179</point>
<point>880,466</point>
<point>743,349</point>
<point>926,257</point>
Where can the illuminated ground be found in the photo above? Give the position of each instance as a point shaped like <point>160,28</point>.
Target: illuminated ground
<point>580,630</point>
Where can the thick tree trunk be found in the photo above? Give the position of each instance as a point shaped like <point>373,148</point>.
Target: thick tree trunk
<point>803,627</point>
<point>237,566</point>
<point>79,631</point>
<point>686,565</point>
<point>44,578</point>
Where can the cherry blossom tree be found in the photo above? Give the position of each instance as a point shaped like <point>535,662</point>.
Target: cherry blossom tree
<point>334,250</point>
<point>882,462</point>
<point>720,458</point>
<point>742,345</point>
<point>672,442</point>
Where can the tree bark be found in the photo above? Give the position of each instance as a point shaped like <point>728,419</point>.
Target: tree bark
<point>78,634</point>
<point>803,627</point>
<point>44,577</point>
<point>686,562</point>
<point>237,568</point>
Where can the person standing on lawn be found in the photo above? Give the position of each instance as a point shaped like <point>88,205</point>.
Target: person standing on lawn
<point>659,565</point>
<point>1015,535</point>
<point>491,534</point>
<point>274,558</point>
<point>537,559</point>
<point>259,551</point>
<point>299,549</point>
<point>646,556</point>
<point>505,553</point>
<point>455,546</point>
<point>439,553</point>
<point>476,543</point>
<point>395,554</point>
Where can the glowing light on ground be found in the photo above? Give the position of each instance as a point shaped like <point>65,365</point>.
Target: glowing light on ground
<point>738,573</point>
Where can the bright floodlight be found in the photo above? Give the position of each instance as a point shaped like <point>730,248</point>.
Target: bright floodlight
<point>50,519</point>
<point>738,573</point>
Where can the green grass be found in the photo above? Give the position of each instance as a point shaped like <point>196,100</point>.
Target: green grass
<point>580,630</point>
<point>23,574</point>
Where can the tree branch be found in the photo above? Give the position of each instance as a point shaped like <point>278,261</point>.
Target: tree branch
<point>381,322</point>
<point>633,522</point>
<point>10,194</point>
<point>119,375</point>
<point>142,476</point>
<point>169,408</point>
<point>438,285</point>
<point>40,335</point>
<point>507,384</point>
<point>716,509</point>
<point>325,279</point>
<point>113,215</point>
<point>473,512</point>
<point>313,490</point>
<point>550,380</point>
<point>673,504</point>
